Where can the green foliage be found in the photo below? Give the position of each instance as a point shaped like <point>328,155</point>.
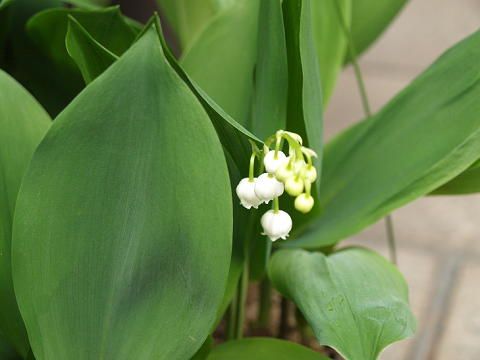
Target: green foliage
<point>263,349</point>
<point>424,137</point>
<point>370,18</point>
<point>467,182</point>
<point>23,122</point>
<point>124,249</point>
<point>355,301</point>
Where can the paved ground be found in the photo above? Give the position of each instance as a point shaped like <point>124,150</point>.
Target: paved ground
<point>438,237</point>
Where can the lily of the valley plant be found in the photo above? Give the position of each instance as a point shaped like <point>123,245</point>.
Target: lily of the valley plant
<point>149,197</point>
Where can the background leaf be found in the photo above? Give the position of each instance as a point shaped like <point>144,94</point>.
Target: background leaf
<point>355,300</point>
<point>90,56</point>
<point>23,122</point>
<point>189,17</point>
<point>127,252</point>
<point>330,40</point>
<point>263,349</point>
<point>424,137</point>
<point>222,58</point>
<point>370,18</point>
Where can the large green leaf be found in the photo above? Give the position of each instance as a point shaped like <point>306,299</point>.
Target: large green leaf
<point>222,58</point>
<point>263,349</point>
<point>128,252</point>
<point>424,137</point>
<point>23,122</point>
<point>189,17</point>
<point>304,112</point>
<point>91,57</point>
<point>370,18</point>
<point>7,352</point>
<point>330,40</point>
<point>355,300</point>
<point>467,182</point>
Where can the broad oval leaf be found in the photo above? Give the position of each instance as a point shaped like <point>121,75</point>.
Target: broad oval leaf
<point>128,252</point>
<point>355,300</point>
<point>23,123</point>
<point>263,349</point>
<point>370,18</point>
<point>424,137</point>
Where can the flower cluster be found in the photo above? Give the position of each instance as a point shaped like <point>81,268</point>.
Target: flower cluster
<point>293,174</point>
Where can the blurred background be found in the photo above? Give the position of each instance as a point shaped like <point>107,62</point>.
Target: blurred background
<point>437,237</point>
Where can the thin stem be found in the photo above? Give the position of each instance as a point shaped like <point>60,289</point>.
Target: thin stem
<point>243,300</point>
<point>276,205</point>
<point>251,170</point>
<point>232,318</point>
<point>392,247</point>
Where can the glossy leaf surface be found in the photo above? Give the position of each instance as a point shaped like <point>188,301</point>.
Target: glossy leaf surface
<point>355,300</point>
<point>425,136</point>
<point>122,260</point>
<point>263,349</point>
<point>23,123</point>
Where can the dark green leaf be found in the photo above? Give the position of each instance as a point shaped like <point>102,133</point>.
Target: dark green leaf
<point>370,18</point>
<point>263,349</point>
<point>107,26</point>
<point>88,4</point>
<point>305,113</point>
<point>330,40</point>
<point>23,123</point>
<point>271,77</point>
<point>355,300</point>
<point>51,85</point>
<point>90,56</point>
<point>122,260</point>
<point>222,58</point>
<point>4,3</point>
<point>424,137</point>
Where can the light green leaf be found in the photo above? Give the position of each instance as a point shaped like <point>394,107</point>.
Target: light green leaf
<point>189,17</point>
<point>222,58</point>
<point>467,182</point>
<point>370,18</point>
<point>90,56</point>
<point>330,40</point>
<point>424,137</point>
<point>305,113</point>
<point>126,247</point>
<point>23,123</point>
<point>263,349</point>
<point>271,73</point>
<point>355,300</point>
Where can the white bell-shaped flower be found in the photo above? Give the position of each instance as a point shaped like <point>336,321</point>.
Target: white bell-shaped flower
<point>267,187</point>
<point>272,160</point>
<point>304,203</point>
<point>246,193</point>
<point>309,173</point>
<point>276,225</point>
<point>284,171</point>
<point>294,185</point>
